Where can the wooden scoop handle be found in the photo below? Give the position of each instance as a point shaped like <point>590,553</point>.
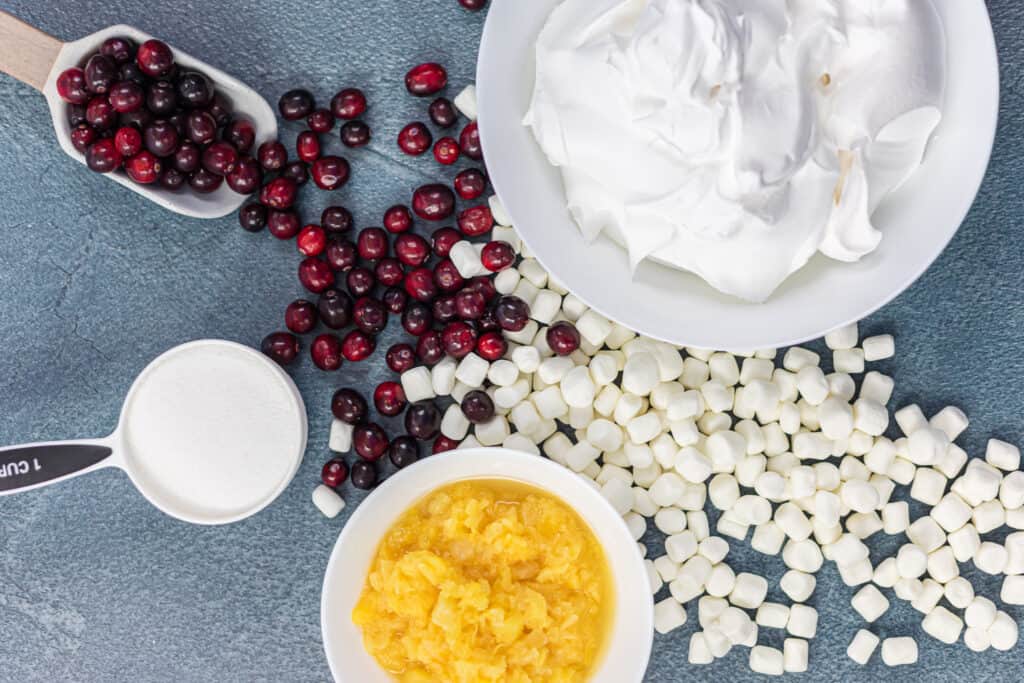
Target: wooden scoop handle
<point>26,53</point>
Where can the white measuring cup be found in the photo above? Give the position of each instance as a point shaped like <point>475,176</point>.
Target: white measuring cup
<point>37,58</point>
<point>211,432</point>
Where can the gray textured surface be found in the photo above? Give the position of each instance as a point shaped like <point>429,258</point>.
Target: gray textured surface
<point>96,585</point>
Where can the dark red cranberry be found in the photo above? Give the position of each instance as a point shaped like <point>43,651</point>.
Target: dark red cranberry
<point>473,5</point>
<point>194,90</point>
<point>400,358</point>
<point>312,240</point>
<point>100,73</point>
<point>358,345</point>
<point>443,308</point>
<point>349,406</point>
<point>416,318</point>
<point>348,103</point>
<point>279,193</point>
<point>241,134</point>
<point>497,255</point>
<point>415,138</point>
<point>297,172</point>
<point>469,141</point>
<point>283,347</point>
<point>370,441</point>
<point>155,58</point>
<point>430,347</point>
<point>336,219</point>
<point>447,276</point>
<point>326,352</point>
<point>426,79</point>
<point>172,178</point>
<point>76,114</point>
<point>295,104</point>
<point>126,96</point>
<point>389,398</point>
<point>369,315</point>
<point>488,323</point>
<point>364,475</point>
<point>403,451</point>
<point>102,156</point>
<point>389,271</point>
<point>459,339</point>
<point>334,473</point>
<point>395,299</point>
<point>283,225</point>
<point>512,313</point>
<point>443,444</point>
<point>442,112</point>
<point>144,168</point>
<point>129,141</point>
<point>397,219</point>
<point>315,275</point>
<point>253,217</point>
<point>563,338</point>
<point>71,86</point>
<point>300,316</point>
<point>355,134</point>
<point>204,182</point>
<point>484,285</point>
<point>372,243</point>
<point>330,172</point>
<point>136,119</point>
<point>411,249</point>
<point>477,406</point>
<point>307,146</point>
<point>335,308</point>
<point>272,155</point>
<point>443,240</point>
<point>84,135</point>
<point>220,158</point>
<point>470,184</point>
<point>161,98</point>
<point>476,221</point>
<point>420,284</point>
<point>130,71</point>
<point>423,420</point>
<point>470,304</point>
<point>360,281</point>
<point>320,121</point>
<point>446,151</point>
<point>433,202</point>
<point>119,49</point>
<point>220,109</point>
<point>100,114</point>
<point>246,177</point>
<point>491,346</point>
<point>200,127</point>
<point>161,138</point>
<point>341,253</point>
<point>187,157</point>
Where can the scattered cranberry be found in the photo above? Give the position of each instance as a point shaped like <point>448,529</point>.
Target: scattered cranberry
<point>272,156</point>
<point>119,49</point>
<point>241,134</point>
<point>279,193</point>
<point>336,219</point>
<point>497,255</point>
<point>246,177</point>
<point>423,420</point>
<point>194,90</point>
<point>100,114</point>
<point>389,272</point>
<point>426,79</point>
<point>126,96</point>
<point>397,219</point>
<point>200,127</point>
<point>348,103</point>
<point>470,304</point>
<point>341,253</point>
<point>253,217</point>
<point>357,345</point>
<point>369,441</point>
<point>364,475</point>
<point>400,357</point>
<point>443,240</point>
<point>102,156</point>
<point>484,285</point>
<point>433,202</point>
<point>403,451</point>
<point>348,406</point>
<point>84,135</point>
<point>162,98</point>
<point>469,141</point>
<point>414,139</point>
<point>320,121</point>
<point>297,172</point>
<point>335,308</point>
<point>476,221</point>
<point>144,168</point>
<point>155,58</point>
<point>334,473</point>
<point>300,316</point>
<point>100,73</point>
<point>488,323</point>
<point>459,339</point>
<point>283,225</point>
<point>372,243</point>
<point>416,319</point>
<point>186,158</point>
<point>412,249</point>
<point>420,284</point>
<point>161,138</point>
<point>355,134</point>
<point>447,276</point>
<point>477,406</point>
<point>326,352</point>
<point>443,444</point>
<point>446,151</point>
<point>307,146</point>
<point>71,86</point>
<point>312,240</point>
<point>563,338</point>
<point>491,346</point>
<point>360,281</point>
<point>283,347</point>
<point>470,184</point>
<point>389,398</point>
<point>315,275</point>
<point>430,347</point>
<point>443,309</point>
<point>442,112</point>
<point>395,299</point>
<point>369,315</point>
<point>204,182</point>
<point>220,158</point>
<point>330,172</point>
<point>512,313</point>
<point>295,104</point>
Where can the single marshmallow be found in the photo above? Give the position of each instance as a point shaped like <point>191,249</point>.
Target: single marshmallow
<point>979,483</point>
<point>841,386</point>
<point>471,371</point>
<point>899,651</point>
<point>720,581</point>
<point>926,534</point>
<point>927,446</point>
<point>1011,491</point>
<point>877,387</point>
<point>977,640</point>
<point>417,384</point>
<point>699,652</point>
<point>668,615</point>
<point>870,603</point>
<point>959,592</point>
<point>1012,592</point>
<point>340,440</point>
<point>1003,455</point>
<point>990,558</point>
<point>980,613</point>
<point>545,306</point>
<point>848,360</point>
<point>798,357</point>
<point>620,495</point>
<point>802,555</point>
<point>886,574</point>
<point>910,419</point>
<point>667,489</point>
<point>1003,632</point>
<point>766,660</point>
<point>670,520</point>
<point>965,542</point>
<point>950,420</point>
<point>454,424</point>
<point>680,547</point>
<point>521,443</point>
<point>842,338</point>
<point>640,374</point>
<point>772,615</point>
<point>862,646</point>
<point>951,513</point>
<point>798,585</point>
<point>794,655</point>
<point>328,501</point>
<point>768,538</point>
<point>736,625</point>
<point>928,486</point>
<point>836,418</point>
<point>879,347</point>
<point>714,549</point>
<point>911,561</point>
<point>749,591</point>
<point>864,525</point>
<point>580,455</point>
<point>466,259</point>
<point>550,403</point>
<point>988,516</point>
<point>942,565</point>
<point>803,621</point>
<point>952,462</point>
<point>943,625</point>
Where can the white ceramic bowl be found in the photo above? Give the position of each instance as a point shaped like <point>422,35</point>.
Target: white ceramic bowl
<point>625,659</point>
<point>917,221</point>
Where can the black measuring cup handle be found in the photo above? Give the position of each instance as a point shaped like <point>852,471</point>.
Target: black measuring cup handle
<point>32,465</point>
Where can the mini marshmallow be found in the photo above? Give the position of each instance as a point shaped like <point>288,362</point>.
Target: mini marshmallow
<point>680,547</point>
<point>766,660</point>
<point>340,440</point>
<point>927,446</point>
<point>718,643</point>
<point>943,625</point>
<point>693,465</point>
<point>772,615</point>
<point>578,388</point>
<point>466,259</point>
<point>471,371</point>
<point>640,374</point>
<point>812,385</point>
<point>928,597</point>
<point>644,428</point>
<point>792,521</point>
<point>752,509</point>
<point>454,424</point>
<point>803,621</point>
<point>636,524</point>
<point>720,581</point>
<point>926,534</point>
<point>417,384</point>
<point>928,486</point>
<point>653,578</point>
<point>697,522</point>
<point>908,589</point>
<point>879,347</point>
<point>813,445</point>
<point>979,483</point>
<point>980,613</point>
<point>717,397</point>
<point>862,646</point>
<point>620,495</point>
<point>1003,632</point>
<point>965,542</point>
<point>668,615</point>
<point>864,525</point>
<point>990,558</point>
<point>942,565</point>
<point>836,418</point>
<point>526,290</point>
<point>951,513</point>
<point>988,516</point>
<point>550,403</point>
<point>859,496</point>
<point>736,625</point>
<point>950,420</point>
<point>910,419</point>
<point>858,573</point>
<point>525,417</point>
<point>899,651</point>
<point>580,455</point>
<point>869,603</point>
<point>749,591</point>
<point>521,443</point>
<point>465,102</point>
<point>886,574</point>
<point>877,387</point>
<point>1011,491</point>
<point>798,357</point>
<point>493,432</point>
<point>628,407</point>
<point>545,305</point>
<point>977,640</point>
<point>848,361</point>
<point>506,281</point>
<point>802,555</point>
<point>794,655</point>
<point>699,652</point>
<point>502,373</point>
<point>798,585</point>
<point>328,501</point>
<point>952,462</point>
<point>723,491</point>
<point>1003,455</point>
<point>714,549</point>
<point>842,338</point>
<point>526,358</point>
<point>901,471</point>
<point>670,521</point>
<point>1012,592</point>
<point>841,386</point>
<point>911,561</point>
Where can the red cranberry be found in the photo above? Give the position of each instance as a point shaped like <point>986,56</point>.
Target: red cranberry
<point>447,276</point>
<point>279,193</point>
<point>144,168</point>
<point>411,249</point>
<point>357,345</point>
<point>477,406</point>
<point>397,219</point>
<point>295,104</point>
<point>283,225</point>
<point>155,58</point>
<point>102,156</point>
<point>118,49</point>
<point>71,86</point>
<point>76,114</point>
<point>563,338</point>
<point>320,121</point>
<point>473,5</point>
<point>512,313</point>
<point>430,347</point>
<point>253,217</point>
<point>128,141</point>
<point>459,339</point>
<point>326,352</point>
<point>162,98</point>
<point>300,316</point>
<point>100,73</point>
<point>400,358</point>
<point>423,420</point>
<point>349,103</point>
<point>307,146</point>
<point>364,475</point>
<point>84,135</point>
<point>100,114</point>
<point>356,134</point>
<point>442,112</point>
<point>241,134</point>
<point>389,271</point>
<point>497,255</point>
<point>476,221</point>
<point>389,398</point>
<point>297,172</point>
<point>469,141</point>
<point>187,157</point>
<point>334,473</point>
<point>161,138</point>
<point>220,109</point>
<point>349,406</point>
<point>420,284</point>
<point>372,243</point>
<point>335,308</point>
<point>395,299</point>
<point>200,127</point>
<point>416,319</point>
<point>443,309</point>
<point>341,254</point>
<point>369,315</point>
<point>312,240</point>
<point>126,96</point>
<point>336,219</point>
<point>443,240</point>
<point>172,179</point>
<point>272,156</point>
<point>443,444</point>
<point>246,177</point>
<point>470,184</point>
<point>130,71</point>
<point>415,139</point>
<point>487,322</point>
<point>484,285</point>
<point>491,346</point>
<point>330,172</point>
<point>220,158</point>
<point>446,151</point>
<point>315,275</point>
<point>194,90</point>
<point>403,451</point>
<point>360,281</point>
<point>426,79</point>
<point>369,441</point>
<point>470,304</point>
<point>283,347</point>
<point>433,202</point>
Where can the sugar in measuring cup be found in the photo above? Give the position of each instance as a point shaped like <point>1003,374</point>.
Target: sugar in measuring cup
<point>210,433</point>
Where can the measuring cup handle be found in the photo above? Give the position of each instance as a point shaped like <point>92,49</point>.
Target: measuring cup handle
<point>32,465</point>
<point>26,53</point>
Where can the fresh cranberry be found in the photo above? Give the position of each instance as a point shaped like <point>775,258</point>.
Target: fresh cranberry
<point>563,338</point>
<point>144,168</point>
<point>469,141</point>
<point>497,255</point>
<point>488,323</point>
<point>341,253</point>
<point>349,103</point>
<point>283,225</point>
<point>360,281</point>
<point>76,114</point>
<point>446,151</point>
<point>349,406</point>
<point>416,319</point>
<point>71,86</point>
<point>100,114</point>
<point>119,49</point>
<point>300,316</point>
<point>326,352</point>
<point>136,119</point>
<point>330,172</point>
<point>389,398</point>
<point>470,184</point>
<point>491,346</point>
<point>84,135</point>
<point>512,313</point>
<point>187,157</point>
<point>161,138</point>
<point>307,146</point>
<point>447,276</point>
<point>220,109</point>
<point>194,90</point>
<point>403,451</point>
<point>395,299</point>
<point>246,177</point>
<point>443,444</point>
<point>126,96</point>
<point>389,271</point>
<point>162,98</point>
<point>459,339</point>
<point>130,71</point>
<point>484,285</point>
<point>200,127</point>
<point>423,420</point>
<point>400,358</point>
<point>473,5</point>
<point>470,304</point>
<point>476,221</point>
<point>369,315</point>
<point>253,217</point>
<point>177,120</point>
<point>335,308</point>
<point>357,345</point>
<point>297,172</point>
<point>414,139</point>
<point>443,240</point>
<point>426,79</point>
<point>272,155</point>
<point>320,121</point>
<point>442,112</point>
<point>443,308</point>
<point>369,441</point>
<point>334,473</point>
<point>241,134</point>
<point>295,104</point>
<point>477,406</point>
<point>312,240</point>
<point>100,73</point>
<point>279,193</point>
<point>155,58</point>
<point>355,134</point>
<point>336,219</point>
<point>420,284</point>
<point>372,243</point>
<point>364,475</point>
<point>204,182</point>
<point>397,219</point>
<point>430,347</point>
<point>412,249</point>
<point>283,347</point>
<point>433,202</point>
<point>172,179</point>
<point>220,158</point>
<point>315,275</point>
<point>102,156</point>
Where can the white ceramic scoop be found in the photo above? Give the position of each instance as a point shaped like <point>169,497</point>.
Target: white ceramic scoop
<point>211,432</point>
<point>37,58</point>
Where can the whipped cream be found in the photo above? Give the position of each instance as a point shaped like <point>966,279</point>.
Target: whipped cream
<point>735,138</point>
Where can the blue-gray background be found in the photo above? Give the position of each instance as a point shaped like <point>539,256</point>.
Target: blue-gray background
<point>96,585</point>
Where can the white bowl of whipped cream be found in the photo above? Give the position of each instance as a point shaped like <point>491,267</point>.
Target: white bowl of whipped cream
<point>737,174</point>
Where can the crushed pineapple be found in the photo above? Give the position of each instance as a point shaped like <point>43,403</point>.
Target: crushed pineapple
<point>487,580</point>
